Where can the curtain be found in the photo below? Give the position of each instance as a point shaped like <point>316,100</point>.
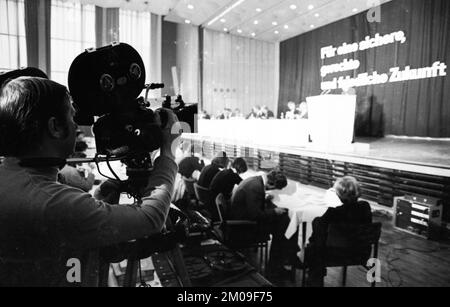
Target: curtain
<point>12,35</point>
<point>72,31</point>
<point>410,108</point>
<point>106,25</point>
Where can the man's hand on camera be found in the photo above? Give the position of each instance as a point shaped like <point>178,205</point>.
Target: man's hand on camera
<point>171,133</point>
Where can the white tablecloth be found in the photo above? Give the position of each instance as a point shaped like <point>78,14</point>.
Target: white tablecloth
<point>304,205</point>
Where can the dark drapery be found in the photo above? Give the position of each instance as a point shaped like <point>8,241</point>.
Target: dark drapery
<point>412,108</point>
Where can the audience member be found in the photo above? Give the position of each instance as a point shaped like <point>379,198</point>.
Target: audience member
<point>190,166</point>
<point>351,212</point>
<point>249,202</point>
<point>77,175</point>
<point>217,164</point>
<point>225,180</point>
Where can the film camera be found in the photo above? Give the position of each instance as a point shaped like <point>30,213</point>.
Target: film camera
<point>106,83</point>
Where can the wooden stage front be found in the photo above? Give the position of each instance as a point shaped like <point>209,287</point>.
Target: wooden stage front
<point>386,167</point>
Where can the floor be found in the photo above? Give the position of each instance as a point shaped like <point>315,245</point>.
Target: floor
<point>406,261</point>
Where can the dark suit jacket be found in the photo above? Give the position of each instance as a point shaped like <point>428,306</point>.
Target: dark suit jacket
<point>190,164</point>
<point>207,175</point>
<point>249,201</point>
<point>352,213</point>
<point>224,182</point>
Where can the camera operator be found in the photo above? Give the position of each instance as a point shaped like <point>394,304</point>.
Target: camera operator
<point>43,223</point>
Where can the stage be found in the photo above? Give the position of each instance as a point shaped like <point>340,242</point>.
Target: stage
<point>386,167</point>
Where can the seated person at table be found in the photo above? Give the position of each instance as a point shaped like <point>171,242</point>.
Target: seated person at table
<point>217,164</point>
<point>225,180</point>
<point>77,176</point>
<point>266,113</point>
<point>302,110</point>
<point>190,166</point>
<point>352,212</point>
<point>256,113</point>
<point>292,112</point>
<point>249,202</point>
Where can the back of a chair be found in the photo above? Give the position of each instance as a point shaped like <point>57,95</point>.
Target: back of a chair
<point>349,244</point>
<point>203,194</point>
<point>353,235</point>
<point>221,205</point>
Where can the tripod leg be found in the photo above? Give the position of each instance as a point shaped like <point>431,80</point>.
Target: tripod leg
<point>131,274</point>
<point>180,267</point>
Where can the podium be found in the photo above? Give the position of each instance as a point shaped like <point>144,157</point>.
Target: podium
<point>331,120</point>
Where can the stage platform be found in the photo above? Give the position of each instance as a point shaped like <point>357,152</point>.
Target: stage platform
<point>386,167</point>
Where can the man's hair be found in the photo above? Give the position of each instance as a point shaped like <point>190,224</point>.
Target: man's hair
<point>240,165</point>
<point>347,189</point>
<point>26,105</point>
<point>277,179</point>
<point>221,160</point>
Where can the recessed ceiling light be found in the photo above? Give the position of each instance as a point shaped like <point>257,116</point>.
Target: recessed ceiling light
<point>239,31</point>
<point>310,7</point>
<point>190,6</point>
<point>259,10</point>
<point>187,21</point>
<point>293,7</point>
<point>316,14</point>
<point>255,22</point>
<point>311,26</point>
<point>276,32</point>
<point>274,23</point>
<point>253,34</point>
<point>286,27</point>
<point>223,20</point>
<point>354,10</point>
<point>225,29</point>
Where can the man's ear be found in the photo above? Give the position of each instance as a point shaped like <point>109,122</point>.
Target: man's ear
<point>55,130</point>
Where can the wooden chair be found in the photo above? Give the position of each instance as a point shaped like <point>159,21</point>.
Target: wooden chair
<point>241,234</point>
<point>346,245</point>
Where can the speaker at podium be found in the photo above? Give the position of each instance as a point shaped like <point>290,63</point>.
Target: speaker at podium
<point>331,120</point>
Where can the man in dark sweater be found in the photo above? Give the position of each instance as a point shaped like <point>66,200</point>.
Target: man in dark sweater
<point>352,212</point>
<point>249,202</point>
<point>208,173</point>
<point>225,180</point>
<point>44,224</point>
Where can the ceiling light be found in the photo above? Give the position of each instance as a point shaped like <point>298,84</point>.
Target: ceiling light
<point>234,5</point>
<point>225,29</point>
<point>255,22</point>
<point>286,27</point>
<point>253,34</point>
<point>276,32</point>
<point>293,7</point>
<point>223,20</point>
<point>239,31</point>
<point>311,26</point>
<point>354,10</point>
<point>316,14</point>
<point>259,10</point>
<point>190,6</point>
<point>274,23</point>
<point>310,7</point>
<point>187,21</point>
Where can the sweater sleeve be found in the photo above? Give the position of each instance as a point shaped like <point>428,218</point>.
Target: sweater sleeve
<point>82,221</point>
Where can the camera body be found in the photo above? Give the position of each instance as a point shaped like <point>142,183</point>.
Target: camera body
<point>106,83</point>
